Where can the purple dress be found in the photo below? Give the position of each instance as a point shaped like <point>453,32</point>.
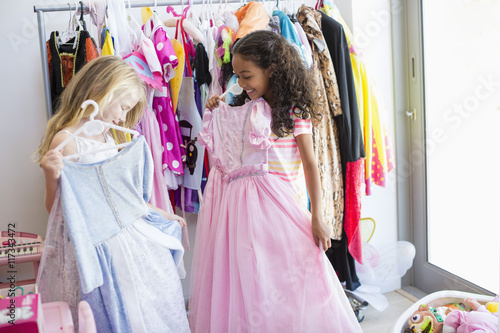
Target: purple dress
<point>256,267</point>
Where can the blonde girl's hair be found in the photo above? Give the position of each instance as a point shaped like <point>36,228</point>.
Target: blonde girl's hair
<point>103,80</point>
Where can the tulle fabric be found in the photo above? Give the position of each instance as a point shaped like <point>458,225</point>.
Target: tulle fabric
<point>57,278</point>
<point>148,286</point>
<point>253,273</point>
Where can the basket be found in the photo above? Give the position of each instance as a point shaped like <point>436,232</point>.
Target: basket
<point>435,300</point>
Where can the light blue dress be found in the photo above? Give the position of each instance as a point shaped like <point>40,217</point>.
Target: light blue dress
<point>127,268</point>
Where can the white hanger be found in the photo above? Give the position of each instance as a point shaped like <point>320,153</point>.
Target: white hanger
<point>94,127</point>
<point>80,28</point>
<point>235,89</point>
<point>66,35</point>
<point>132,20</point>
<point>203,12</point>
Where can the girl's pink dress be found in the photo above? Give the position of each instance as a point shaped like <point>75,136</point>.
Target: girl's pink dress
<point>256,267</point>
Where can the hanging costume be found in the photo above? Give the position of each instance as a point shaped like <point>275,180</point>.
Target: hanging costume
<point>325,135</point>
<point>352,150</point>
<point>64,61</point>
<point>378,160</point>
<point>251,17</point>
<point>288,31</point>
<point>162,102</point>
<point>145,62</point>
<point>246,276</point>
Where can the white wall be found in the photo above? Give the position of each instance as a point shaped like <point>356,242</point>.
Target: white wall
<point>373,37</point>
<point>23,117</point>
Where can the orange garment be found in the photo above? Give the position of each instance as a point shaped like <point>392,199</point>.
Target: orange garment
<point>64,60</point>
<point>251,17</point>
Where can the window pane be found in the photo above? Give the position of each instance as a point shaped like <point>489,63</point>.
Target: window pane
<point>462,110</point>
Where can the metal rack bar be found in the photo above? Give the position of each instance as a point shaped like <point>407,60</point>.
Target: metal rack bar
<point>134,5</point>
<point>45,63</point>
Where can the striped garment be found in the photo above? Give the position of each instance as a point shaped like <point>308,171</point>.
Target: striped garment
<point>285,161</point>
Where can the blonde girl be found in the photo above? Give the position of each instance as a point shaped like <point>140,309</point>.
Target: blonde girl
<point>138,287</point>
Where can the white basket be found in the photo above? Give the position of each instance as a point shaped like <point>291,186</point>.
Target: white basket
<point>436,299</point>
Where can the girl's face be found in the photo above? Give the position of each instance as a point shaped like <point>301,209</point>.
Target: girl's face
<point>252,78</point>
<point>118,109</point>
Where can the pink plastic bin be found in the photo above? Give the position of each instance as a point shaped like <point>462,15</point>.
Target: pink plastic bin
<point>57,317</point>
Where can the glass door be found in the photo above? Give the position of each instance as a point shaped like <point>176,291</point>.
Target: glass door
<point>453,52</point>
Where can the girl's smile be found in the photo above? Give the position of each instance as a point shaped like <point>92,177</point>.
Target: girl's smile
<point>252,78</point>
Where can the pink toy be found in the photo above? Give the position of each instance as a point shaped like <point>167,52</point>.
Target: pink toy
<point>57,317</point>
<point>21,314</point>
<point>478,320</point>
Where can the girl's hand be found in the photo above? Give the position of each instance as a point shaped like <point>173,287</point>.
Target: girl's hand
<point>52,164</point>
<point>173,217</point>
<point>321,233</point>
<point>213,102</point>
<point>168,216</point>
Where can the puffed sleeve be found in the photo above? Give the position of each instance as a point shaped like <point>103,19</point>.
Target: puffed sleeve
<point>301,126</point>
<point>205,137</point>
<point>166,54</point>
<point>148,50</point>
<point>260,130</point>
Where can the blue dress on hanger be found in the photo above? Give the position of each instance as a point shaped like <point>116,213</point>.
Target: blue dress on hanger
<point>127,270</point>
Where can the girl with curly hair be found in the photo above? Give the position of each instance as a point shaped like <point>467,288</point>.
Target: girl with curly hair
<point>268,66</point>
<point>259,263</point>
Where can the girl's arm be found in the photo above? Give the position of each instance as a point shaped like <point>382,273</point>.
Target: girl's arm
<point>168,216</point>
<point>52,164</point>
<point>321,232</point>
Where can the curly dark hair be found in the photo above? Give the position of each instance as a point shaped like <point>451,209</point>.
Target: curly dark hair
<point>291,82</point>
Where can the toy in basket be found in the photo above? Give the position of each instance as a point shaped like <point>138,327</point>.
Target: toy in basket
<point>429,319</point>
<point>449,311</point>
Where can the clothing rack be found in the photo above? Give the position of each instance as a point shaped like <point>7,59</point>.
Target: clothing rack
<point>42,38</point>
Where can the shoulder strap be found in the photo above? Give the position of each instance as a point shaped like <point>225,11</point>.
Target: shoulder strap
<point>183,36</point>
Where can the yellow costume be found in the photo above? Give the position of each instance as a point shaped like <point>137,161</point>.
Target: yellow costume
<point>378,160</point>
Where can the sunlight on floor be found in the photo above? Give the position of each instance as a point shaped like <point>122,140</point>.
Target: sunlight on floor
<point>382,322</point>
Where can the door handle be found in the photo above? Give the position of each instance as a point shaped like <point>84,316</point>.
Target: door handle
<point>412,114</point>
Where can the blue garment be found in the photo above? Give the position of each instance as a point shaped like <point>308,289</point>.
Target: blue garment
<point>127,269</point>
<point>230,97</point>
<point>288,31</point>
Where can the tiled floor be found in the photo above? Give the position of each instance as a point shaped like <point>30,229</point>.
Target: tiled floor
<point>382,322</point>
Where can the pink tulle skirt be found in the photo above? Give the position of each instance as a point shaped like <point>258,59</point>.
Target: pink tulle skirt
<point>256,267</point>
